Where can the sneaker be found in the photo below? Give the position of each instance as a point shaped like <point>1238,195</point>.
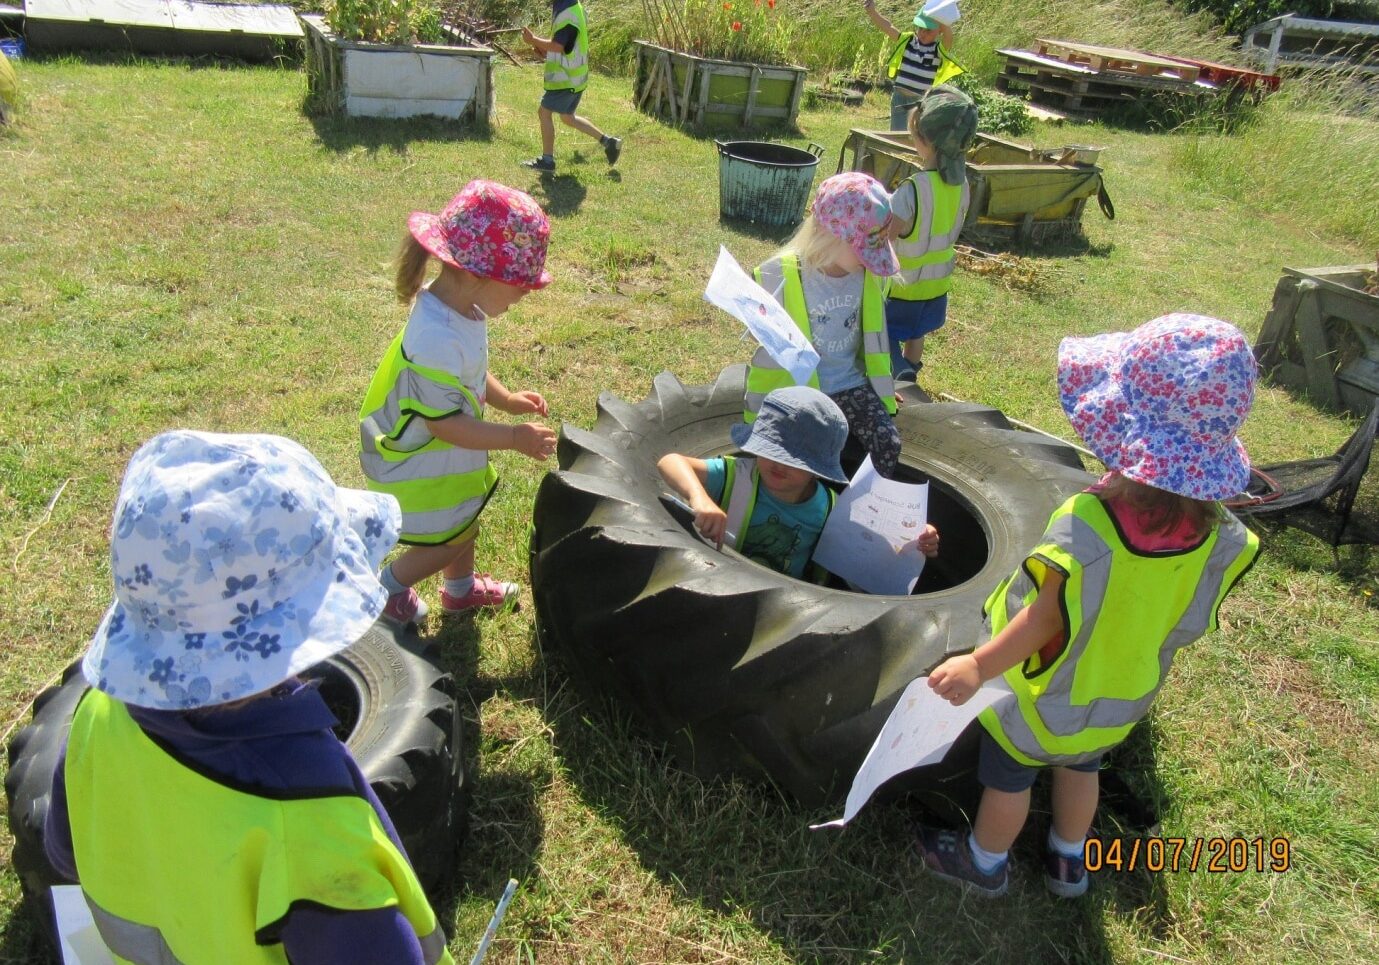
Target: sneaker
<point>613,149</point>
<point>947,856</point>
<point>404,608</point>
<point>542,163</point>
<point>1066,877</point>
<point>486,592</point>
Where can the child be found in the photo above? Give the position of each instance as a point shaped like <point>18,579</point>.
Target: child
<point>919,60</point>
<point>831,278</point>
<point>773,505</point>
<point>422,427</point>
<point>928,210</point>
<point>567,74</point>
<point>1127,573</point>
<point>202,799</point>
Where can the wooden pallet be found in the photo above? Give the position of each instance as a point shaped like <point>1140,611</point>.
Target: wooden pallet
<point>1116,60</point>
<point>1081,91</point>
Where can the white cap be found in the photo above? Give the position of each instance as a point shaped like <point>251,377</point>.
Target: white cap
<point>944,11</point>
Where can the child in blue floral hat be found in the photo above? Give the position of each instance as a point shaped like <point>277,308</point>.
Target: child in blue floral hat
<point>1127,573</point>
<point>202,799</point>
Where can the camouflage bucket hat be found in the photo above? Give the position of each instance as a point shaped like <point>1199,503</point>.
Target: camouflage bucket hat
<point>947,119</point>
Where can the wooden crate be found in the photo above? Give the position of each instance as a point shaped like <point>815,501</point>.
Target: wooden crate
<point>714,94</point>
<point>1322,336</point>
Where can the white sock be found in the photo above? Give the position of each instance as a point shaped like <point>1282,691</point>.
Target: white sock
<point>460,587</point>
<point>390,582</point>
<point>986,861</point>
<point>1067,849</point>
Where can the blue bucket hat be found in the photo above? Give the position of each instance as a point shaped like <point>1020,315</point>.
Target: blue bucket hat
<point>237,563</point>
<point>797,426</point>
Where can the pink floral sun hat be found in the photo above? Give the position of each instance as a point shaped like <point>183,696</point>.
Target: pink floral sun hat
<point>490,230</point>
<point>1162,404</point>
<point>855,207</point>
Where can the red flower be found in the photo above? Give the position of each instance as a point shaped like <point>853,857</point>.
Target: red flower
<point>771,4</point>
<point>737,24</point>
<point>727,6</point>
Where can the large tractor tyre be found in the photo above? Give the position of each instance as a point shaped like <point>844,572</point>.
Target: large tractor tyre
<point>742,669</point>
<point>398,716</point>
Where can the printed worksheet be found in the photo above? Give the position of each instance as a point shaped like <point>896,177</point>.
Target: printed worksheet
<point>869,539</point>
<point>76,929</point>
<point>734,291</point>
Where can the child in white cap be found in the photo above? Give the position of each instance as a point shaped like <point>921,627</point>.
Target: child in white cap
<point>202,800</point>
<point>1128,572</point>
<point>920,58</point>
<point>832,278</point>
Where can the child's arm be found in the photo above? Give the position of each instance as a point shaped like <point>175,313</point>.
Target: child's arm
<point>529,438</point>
<point>945,36</point>
<point>928,541</point>
<point>686,476</point>
<point>525,402</point>
<point>896,225</point>
<point>542,45</point>
<point>957,678</point>
<point>885,25</point>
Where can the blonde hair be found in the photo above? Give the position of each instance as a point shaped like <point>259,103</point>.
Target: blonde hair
<point>411,268</point>
<point>814,245</point>
<point>1165,511</point>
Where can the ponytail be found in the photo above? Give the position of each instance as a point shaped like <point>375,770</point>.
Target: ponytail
<point>411,268</point>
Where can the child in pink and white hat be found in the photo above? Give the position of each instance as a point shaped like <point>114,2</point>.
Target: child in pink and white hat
<point>832,278</point>
<point>423,432</point>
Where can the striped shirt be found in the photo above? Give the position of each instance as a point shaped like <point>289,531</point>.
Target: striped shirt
<point>918,66</point>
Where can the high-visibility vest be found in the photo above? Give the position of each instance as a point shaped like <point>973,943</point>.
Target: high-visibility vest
<point>764,375</point>
<point>948,68</point>
<point>569,71</point>
<point>1128,613</point>
<point>179,868</point>
<point>440,487</point>
<point>929,248</point>
<point>741,483</point>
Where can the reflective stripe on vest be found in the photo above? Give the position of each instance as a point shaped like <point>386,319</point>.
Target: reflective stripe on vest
<point>764,375</point>
<point>1117,654</point>
<point>948,68</point>
<point>145,849</point>
<point>440,487</point>
<point>569,71</point>
<point>927,253</point>
<point>741,483</point>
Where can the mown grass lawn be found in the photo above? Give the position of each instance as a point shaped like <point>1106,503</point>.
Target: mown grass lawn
<point>182,246</point>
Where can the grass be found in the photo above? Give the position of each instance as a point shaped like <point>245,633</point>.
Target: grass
<point>183,247</point>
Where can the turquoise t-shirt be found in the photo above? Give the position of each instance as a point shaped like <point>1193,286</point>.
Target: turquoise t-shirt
<point>780,535</point>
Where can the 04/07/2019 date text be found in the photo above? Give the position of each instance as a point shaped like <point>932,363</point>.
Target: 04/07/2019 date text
<point>1213,855</point>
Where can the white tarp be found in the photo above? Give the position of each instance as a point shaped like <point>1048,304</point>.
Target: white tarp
<point>266,20</point>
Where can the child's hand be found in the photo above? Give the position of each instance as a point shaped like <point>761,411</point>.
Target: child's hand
<point>528,36</point>
<point>928,541</point>
<point>956,679</point>
<point>710,520</point>
<point>527,402</point>
<point>533,439</point>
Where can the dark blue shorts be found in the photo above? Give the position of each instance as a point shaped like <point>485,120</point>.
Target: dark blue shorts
<point>907,320</point>
<point>999,771</point>
<point>561,101</point>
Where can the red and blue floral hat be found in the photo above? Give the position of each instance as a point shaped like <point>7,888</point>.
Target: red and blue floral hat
<point>490,230</point>
<point>1162,404</point>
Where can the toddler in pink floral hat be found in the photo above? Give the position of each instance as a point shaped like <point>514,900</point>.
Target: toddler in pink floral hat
<point>423,432</point>
<point>832,278</point>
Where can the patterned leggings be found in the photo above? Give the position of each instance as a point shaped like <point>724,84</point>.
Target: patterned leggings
<point>869,421</point>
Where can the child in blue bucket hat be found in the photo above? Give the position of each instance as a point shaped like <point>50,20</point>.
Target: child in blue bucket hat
<point>1127,573</point>
<point>202,799</point>
<point>771,503</point>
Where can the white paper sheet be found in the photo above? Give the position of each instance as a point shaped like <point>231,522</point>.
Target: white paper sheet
<point>869,539</point>
<point>734,291</point>
<point>76,929</point>
<point>921,728</point>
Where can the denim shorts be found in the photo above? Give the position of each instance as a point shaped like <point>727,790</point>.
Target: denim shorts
<point>999,771</point>
<point>561,101</point>
<point>907,320</point>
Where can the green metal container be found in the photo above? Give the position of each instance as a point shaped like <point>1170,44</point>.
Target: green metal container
<point>767,184</point>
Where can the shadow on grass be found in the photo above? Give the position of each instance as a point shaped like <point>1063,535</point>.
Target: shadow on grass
<point>560,195</point>
<point>341,133</point>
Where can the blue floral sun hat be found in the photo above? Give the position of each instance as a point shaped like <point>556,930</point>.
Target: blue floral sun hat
<point>237,563</point>
<point>1162,404</point>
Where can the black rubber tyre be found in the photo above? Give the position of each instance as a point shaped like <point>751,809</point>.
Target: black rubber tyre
<point>744,670</point>
<point>398,716</point>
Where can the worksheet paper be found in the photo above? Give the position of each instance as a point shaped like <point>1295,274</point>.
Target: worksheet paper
<point>869,538</point>
<point>921,728</point>
<point>734,291</point>
<point>76,929</point>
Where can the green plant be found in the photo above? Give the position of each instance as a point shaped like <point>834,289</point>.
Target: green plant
<point>386,21</point>
<point>997,113</point>
<point>758,31</point>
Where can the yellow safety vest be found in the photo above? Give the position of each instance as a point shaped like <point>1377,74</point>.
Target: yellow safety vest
<point>440,487</point>
<point>741,483</point>
<point>569,71</point>
<point>948,68</point>
<point>764,375</point>
<point>1128,613</point>
<point>180,869</point>
<point>929,248</point>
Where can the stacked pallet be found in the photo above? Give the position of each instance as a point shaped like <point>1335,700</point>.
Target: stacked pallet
<point>1085,81</point>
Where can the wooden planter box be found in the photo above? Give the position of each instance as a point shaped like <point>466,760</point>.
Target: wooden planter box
<point>380,80</point>
<point>714,94</point>
<point>1322,336</point>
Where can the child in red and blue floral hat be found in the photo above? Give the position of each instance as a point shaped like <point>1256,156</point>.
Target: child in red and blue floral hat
<point>1127,573</point>
<point>422,429</point>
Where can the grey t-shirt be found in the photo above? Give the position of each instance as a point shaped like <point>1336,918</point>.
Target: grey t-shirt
<point>835,322</point>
